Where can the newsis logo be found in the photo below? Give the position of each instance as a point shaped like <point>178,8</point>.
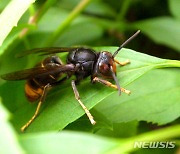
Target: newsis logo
<point>154,145</point>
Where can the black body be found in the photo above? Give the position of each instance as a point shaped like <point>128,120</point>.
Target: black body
<point>84,61</point>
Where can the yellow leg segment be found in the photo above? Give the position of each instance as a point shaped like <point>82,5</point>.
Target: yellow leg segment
<point>76,93</point>
<point>109,84</point>
<point>37,109</point>
<point>122,63</point>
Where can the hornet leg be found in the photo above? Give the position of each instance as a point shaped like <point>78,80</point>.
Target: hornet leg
<point>46,88</point>
<point>122,63</point>
<point>109,84</point>
<point>76,93</point>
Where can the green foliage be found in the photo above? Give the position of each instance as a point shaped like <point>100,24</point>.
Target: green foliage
<point>79,142</point>
<point>8,20</point>
<point>174,8</point>
<point>160,30</point>
<point>8,141</point>
<point>102,25</point>
<point>157,102</point>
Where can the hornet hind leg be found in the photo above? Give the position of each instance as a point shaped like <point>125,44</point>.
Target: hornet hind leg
<point>45,91</point>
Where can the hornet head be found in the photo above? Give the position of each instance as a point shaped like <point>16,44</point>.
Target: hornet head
<point>106,65</point>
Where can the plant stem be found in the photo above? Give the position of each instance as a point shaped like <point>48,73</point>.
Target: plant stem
<point>77,10</point>
<point>168,63</point>
<point>31,10</point>
<point>33,20</point>
<point>123,10</point>
<point>173,63</point>
<point>158,135</point>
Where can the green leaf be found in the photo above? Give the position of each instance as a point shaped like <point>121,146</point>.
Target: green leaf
<point>163,30</point>
<point>13,36</point>
<point>80,30</point>
<point>49,22</point>
<point>174,6</point>
<point>11,15</point>
<point>69,36</point>
<point>155,98</point>
<point>3,4</point>
<point>119,130</point>
<point>61,108</point>
<point>100,8</point>
<point>8,140</point>
<point>83,125</point>
<point>68,20</point>
<point>57,143</point>
<point>74,142</point>
<point>97,7</point>
<point>158,135</point>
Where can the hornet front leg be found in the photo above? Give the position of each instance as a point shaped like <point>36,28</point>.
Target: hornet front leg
<point>109,84</point>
